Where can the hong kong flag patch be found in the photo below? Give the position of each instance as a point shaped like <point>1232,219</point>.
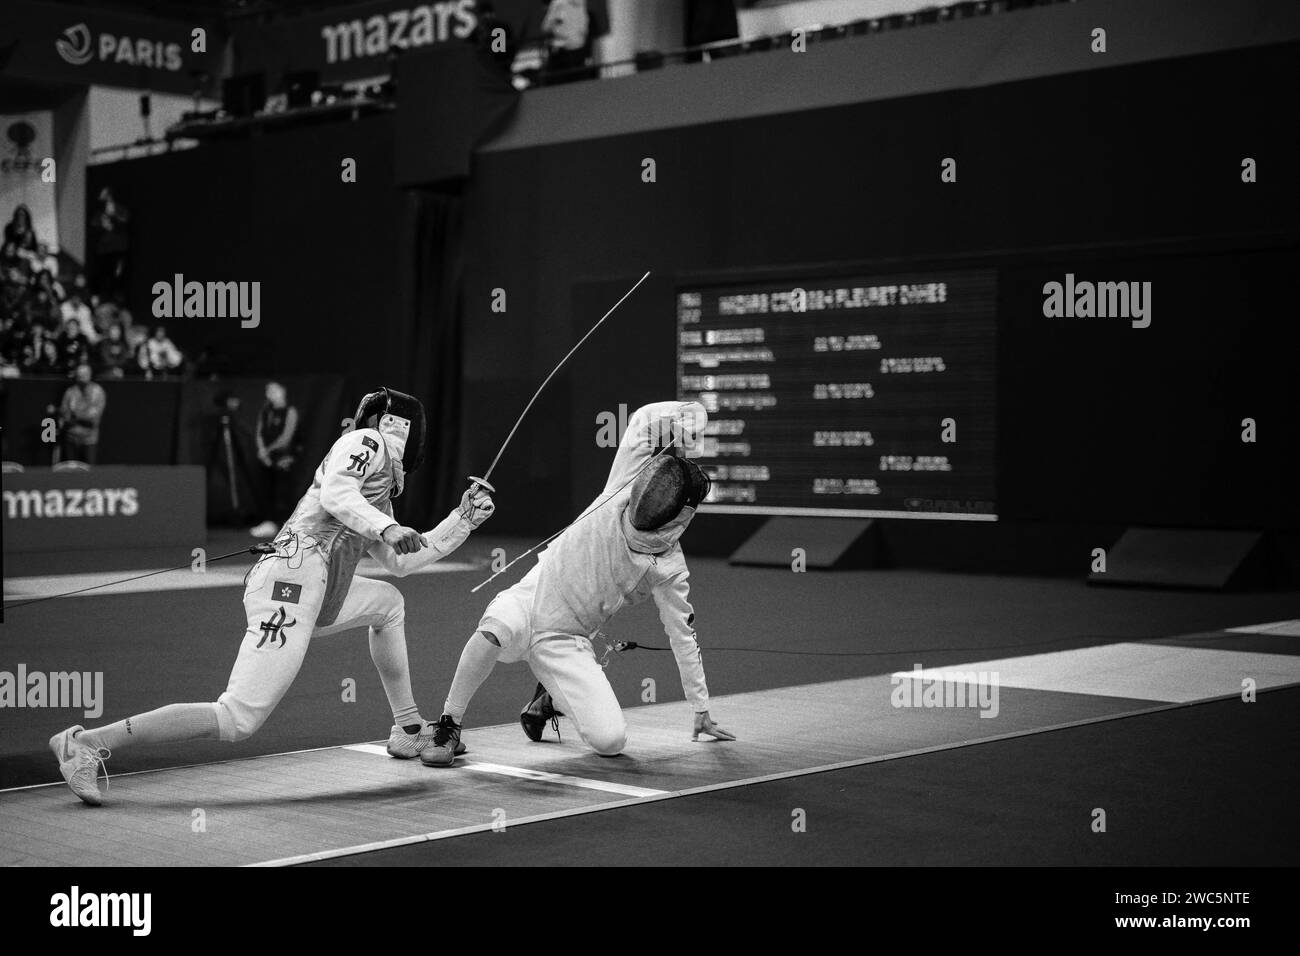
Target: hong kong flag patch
<point>286,592</point>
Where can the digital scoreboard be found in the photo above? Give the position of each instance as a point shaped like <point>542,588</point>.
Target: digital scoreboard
<point>867,396</point>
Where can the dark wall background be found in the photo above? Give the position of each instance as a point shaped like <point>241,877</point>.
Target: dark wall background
<point>1123,174</point>
<point>273,208</point>
<point>1128,173</point>
<point>351,273</point>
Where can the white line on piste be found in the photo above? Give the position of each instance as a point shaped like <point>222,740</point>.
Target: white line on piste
<point>712,507</point>
<point>732,784</point>
<point>585,783</point>
<point>366,749</point>
<point>1283,628</point>
<point>106,583</point>
<point>180,766</point>
<point>523,773</point>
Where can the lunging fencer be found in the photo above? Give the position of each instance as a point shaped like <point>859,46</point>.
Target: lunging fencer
<point>623,549</point>
<point>307,588</point>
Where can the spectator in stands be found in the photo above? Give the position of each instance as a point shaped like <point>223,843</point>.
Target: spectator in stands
<point>80,412</point>
<point>44,280</point>
<point>115,358</point>
<point>136,338</point>
<point>75,309</point>
<point>74,348</point>
<point>161,354</point>
<point>42,308</point>
<point>19,236</point>
<point>12,340</point>
<point>277,450</point>
<point>569,27</point>
<point>104,313</point>
<point>46,260</point>
<point>40,352</point>
<point>110,244</point>
<point>13,293</point>
<point>556,41</point>
<point>35,310</point>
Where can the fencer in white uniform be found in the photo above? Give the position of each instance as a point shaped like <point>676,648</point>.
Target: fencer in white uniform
<point>622,550</point>
<point>308,588</point>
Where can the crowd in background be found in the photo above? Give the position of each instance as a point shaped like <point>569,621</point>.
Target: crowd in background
<point>51,322</point>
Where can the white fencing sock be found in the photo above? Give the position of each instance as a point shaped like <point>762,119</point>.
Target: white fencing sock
<point>476,662</point>
<point>388,651</point>
<point>164,725</point>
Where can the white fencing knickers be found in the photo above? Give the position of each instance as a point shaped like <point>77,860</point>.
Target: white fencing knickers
<point>564,663</point>
<point>567,667</point>
<point>282,601</point>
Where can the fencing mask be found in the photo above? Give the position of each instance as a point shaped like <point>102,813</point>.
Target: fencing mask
<point>400,418</point>
<point>666,486</point>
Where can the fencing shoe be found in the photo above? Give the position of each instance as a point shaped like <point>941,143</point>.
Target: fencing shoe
<point>404,746</point>
<point>445,746</point>
<point>80,764</point>
<point>533,718</point>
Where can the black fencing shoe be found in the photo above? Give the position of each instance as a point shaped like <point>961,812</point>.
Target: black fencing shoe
<point>442,751</point>
<point>533,718</point>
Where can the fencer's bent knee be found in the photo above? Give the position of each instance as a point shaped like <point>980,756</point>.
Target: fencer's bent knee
<point>395,605</point>
<point>608,740</point>
<point>609,745</point>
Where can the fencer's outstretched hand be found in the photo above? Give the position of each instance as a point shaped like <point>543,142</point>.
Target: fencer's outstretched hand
<point>704,725</point>
<point>476,505</point>
<point>403,540</point>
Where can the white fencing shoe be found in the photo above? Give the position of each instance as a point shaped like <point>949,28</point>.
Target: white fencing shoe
<point>404,746</point>
<point>80,764</point>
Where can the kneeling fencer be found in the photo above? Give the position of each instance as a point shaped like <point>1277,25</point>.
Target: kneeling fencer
<point>306,588</point>
<point>621,550</point>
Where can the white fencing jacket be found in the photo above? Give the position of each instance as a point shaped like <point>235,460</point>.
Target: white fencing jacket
<point>601,563</point>
<point>347,509</point>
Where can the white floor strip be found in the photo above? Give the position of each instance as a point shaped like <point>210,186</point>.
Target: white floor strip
<point>45,585</point>
<point>585,783</point>
<point>205,765</point>
<point>523,773</point>
<point>367,749</point>
<point>218,576</point>
<point>1285,628</point>
<point>1138,671</point>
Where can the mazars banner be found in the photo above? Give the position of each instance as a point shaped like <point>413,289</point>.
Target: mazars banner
<point>110,506</point>
<point>357,42</point>
<point>90,45</point>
